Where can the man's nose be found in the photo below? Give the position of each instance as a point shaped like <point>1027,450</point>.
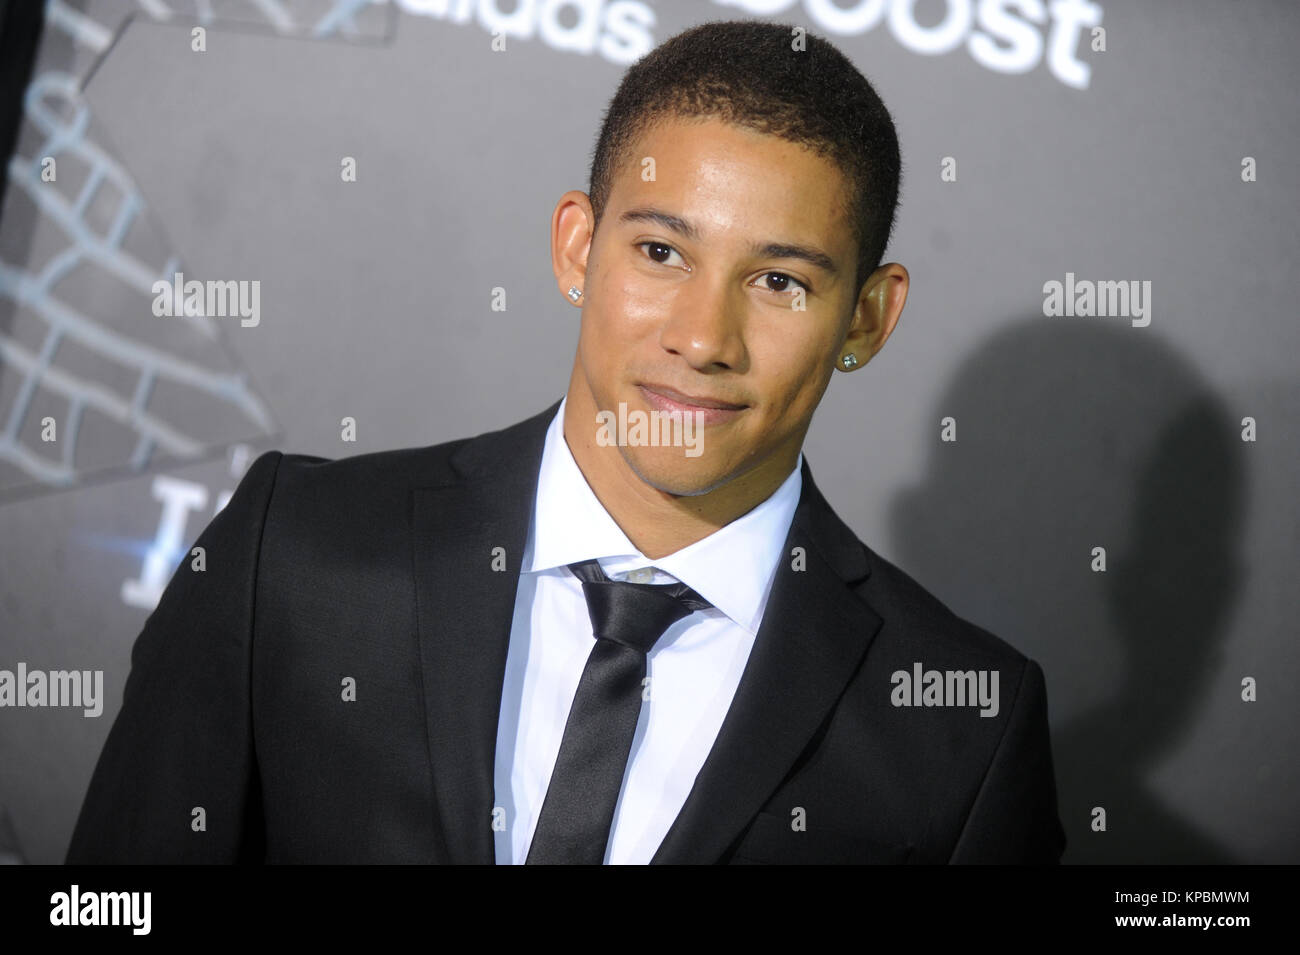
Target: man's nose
<point>706,326</point>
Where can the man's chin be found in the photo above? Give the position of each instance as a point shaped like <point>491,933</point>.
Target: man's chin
<point>671,471</point>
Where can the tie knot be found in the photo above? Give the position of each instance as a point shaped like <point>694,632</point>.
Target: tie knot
<point>634,615</point>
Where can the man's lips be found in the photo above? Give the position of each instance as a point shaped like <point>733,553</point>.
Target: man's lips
<point>669,400</point>
<point>698,401</point>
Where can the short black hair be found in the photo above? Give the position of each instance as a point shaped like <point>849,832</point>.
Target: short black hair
<point>749,73</point>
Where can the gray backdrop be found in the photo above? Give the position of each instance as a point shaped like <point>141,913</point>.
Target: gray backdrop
<point>1072,432</point>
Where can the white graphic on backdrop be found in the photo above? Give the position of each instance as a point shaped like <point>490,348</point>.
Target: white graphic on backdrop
<point>91,384</point>
<point>1005,36</point>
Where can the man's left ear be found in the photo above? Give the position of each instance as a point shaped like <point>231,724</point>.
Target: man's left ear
<point>880,303</point>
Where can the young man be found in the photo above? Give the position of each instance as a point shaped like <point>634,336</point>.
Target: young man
<point>568,641</point>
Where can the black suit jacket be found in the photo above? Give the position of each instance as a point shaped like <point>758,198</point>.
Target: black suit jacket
<point>378,569</point>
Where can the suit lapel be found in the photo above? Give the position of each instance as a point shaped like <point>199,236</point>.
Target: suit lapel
<point>814,634</point>
<point>464,610</point>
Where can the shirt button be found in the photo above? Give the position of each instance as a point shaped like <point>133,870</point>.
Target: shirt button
<point>642,575</point>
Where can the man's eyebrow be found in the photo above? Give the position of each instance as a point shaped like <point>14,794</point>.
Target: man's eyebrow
<point>771,250</point>
<point>778,250</point>
<point>667,220</point>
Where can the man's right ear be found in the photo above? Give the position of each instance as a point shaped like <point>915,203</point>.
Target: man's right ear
<point>573,225</point>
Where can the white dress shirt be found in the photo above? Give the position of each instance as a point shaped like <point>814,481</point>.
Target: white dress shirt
<point>694,668</point>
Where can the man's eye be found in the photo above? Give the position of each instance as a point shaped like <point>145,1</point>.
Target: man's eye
<point>659,252</point>
<point>777,282</point>
<point>780,282</point>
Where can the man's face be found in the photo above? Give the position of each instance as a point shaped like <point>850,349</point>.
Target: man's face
<point>691,292</point>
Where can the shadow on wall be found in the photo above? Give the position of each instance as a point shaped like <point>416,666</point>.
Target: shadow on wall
<point>10,852</point>
<point>1070,437</point>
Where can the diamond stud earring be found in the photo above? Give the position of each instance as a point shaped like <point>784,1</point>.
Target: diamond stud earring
<point>575,293</point>
<point>850,360</point>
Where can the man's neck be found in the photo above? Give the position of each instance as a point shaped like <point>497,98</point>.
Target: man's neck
<point>656,522</point>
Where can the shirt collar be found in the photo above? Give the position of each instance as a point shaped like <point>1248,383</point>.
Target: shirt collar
<point>733,568</point>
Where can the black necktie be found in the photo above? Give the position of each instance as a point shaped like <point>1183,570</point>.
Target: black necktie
<point>627,619</point>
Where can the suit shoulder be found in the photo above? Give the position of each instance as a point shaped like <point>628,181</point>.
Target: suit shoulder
<point>912,613</point>
<point>368,473</point>
<point>332,511</point>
